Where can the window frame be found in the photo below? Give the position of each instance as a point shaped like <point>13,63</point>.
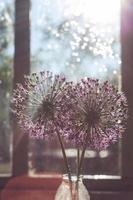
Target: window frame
<point>22,66</point>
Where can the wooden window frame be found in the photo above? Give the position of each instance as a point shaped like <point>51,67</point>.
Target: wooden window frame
<point>22,66</point>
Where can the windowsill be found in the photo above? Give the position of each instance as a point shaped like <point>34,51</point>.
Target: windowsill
<point>29,188</point>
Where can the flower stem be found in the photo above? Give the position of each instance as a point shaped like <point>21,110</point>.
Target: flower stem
<point>78,160</point>
<point>81,163</point>
<point>64,156</point>
<point>82,157</point>
<point>65,161</point>
<point>77,181</point>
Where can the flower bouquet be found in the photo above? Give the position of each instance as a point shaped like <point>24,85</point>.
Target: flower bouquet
<point>87,114</point>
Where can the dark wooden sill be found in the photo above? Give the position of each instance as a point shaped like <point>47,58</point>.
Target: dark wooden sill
<point>98,195</point>
<point>49,195</point>
<point>29,188</point>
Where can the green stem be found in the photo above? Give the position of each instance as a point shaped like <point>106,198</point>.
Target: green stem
<point>64,156</point>
<point>78,160</point>
<point>65,160</point>
<point>82,157</point>
<point>81,162</point>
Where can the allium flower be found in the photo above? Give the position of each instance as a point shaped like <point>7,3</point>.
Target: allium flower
<point>97,116</point>
<point>39,103</point>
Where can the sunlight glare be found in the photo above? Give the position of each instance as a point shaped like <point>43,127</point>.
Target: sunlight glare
<point>98,11</point>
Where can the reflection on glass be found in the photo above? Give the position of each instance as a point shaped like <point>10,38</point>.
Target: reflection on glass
<point>77,38</point>
<point>6,62</point>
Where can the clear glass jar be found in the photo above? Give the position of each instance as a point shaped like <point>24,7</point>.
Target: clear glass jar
<point>74,191</point>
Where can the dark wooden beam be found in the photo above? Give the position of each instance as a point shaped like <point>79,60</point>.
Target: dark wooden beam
<point>127,84</point>
<point>21,67</point>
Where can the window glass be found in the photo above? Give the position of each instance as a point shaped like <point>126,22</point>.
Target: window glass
<point>77,38</point>
<point>6,69</point>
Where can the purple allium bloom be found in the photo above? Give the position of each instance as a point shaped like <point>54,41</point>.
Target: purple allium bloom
<point>97,116</point>
<point>39,104</point>
<point>88,114</point>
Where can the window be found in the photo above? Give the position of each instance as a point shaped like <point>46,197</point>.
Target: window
<point>6,78</point>
<point>22,63</point>
<point>78,39</point>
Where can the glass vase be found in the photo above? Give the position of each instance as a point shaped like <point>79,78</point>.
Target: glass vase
<point>74,191</point>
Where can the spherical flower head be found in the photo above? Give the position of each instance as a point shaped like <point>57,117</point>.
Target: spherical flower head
<point>39,104</point>
<point>98,114</point>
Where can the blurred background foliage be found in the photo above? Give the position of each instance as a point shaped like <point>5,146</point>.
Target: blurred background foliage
<point>6,69</point>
